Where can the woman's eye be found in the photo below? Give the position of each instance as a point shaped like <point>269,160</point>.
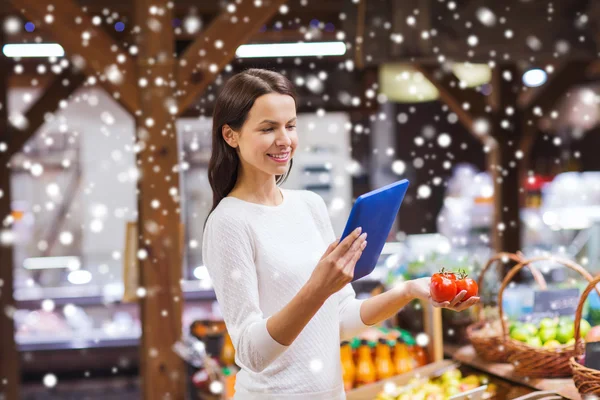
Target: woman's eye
<point>291,127</point>
<point>267,130</point>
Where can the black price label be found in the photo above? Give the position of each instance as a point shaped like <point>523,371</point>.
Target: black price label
<point>592,355</point>
<point>556,301</point>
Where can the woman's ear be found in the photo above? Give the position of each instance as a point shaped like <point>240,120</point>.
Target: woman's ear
<point>230,136</point>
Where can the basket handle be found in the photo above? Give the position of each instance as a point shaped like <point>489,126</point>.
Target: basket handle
<point>579,312</point>
<point>511,274</point>
<point>518,258</point>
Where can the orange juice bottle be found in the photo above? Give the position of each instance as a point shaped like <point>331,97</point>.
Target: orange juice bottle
<point>383,360</point>
<point>229,378</point>
<point>227,355</point>
<point>348,367</point>
<point>365,370</point>
<point>402,359</point>
<point>419,355</point>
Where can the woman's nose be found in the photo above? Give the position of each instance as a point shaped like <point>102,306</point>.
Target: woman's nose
<point>283,138</point>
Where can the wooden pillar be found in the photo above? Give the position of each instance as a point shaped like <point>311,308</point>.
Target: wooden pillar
<point>506,222</point>
<point>160,263</point>
<point>9,357</point>
<point>503,164</point>
<point>502,141</point>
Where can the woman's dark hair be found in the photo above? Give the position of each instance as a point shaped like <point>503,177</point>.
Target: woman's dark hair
<point>231,108</point>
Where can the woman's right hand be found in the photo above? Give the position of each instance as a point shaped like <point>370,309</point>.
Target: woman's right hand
<point>336,268</point>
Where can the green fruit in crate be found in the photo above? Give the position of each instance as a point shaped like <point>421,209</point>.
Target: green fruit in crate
<point>452,391</point>
<point>453,374</point>
<point>547,334</point>
<point>548,323</point>
<point>570,342</point>
<point>565,333</point>
<point>470,380</point>
<point>534,341</point>
<point>520,334</point>
<point>584,328</point>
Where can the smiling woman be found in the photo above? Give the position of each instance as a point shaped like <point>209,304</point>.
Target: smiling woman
<point>241,131</point>
<point>281,278</point>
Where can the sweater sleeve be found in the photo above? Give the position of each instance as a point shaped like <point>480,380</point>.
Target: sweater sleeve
<point>228,255</point>
<point>351,324</point>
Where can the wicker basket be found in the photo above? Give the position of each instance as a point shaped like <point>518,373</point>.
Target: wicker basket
<point>491,347</point>
<point>535,362</point>
<point>586,379</point>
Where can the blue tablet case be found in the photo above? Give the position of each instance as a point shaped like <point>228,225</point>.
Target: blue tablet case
<point>375,212</point>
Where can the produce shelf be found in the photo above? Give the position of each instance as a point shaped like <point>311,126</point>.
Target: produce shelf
<point>564,387</point>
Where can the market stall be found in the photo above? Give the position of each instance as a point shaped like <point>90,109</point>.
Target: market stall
<point>454,96</point>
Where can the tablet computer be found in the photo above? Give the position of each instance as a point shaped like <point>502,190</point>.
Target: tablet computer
<point>375,212</point>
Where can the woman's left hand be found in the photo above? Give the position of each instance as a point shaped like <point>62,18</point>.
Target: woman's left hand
<point>419,288</point>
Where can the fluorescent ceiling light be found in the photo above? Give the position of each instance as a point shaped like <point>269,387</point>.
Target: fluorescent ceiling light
<point>52,263</point>
<point>80,277</point>
<point>535,77</point>
<point>472,75</point>
<point>291,49</point>
<point>33,50</point>
<point>402,83</point>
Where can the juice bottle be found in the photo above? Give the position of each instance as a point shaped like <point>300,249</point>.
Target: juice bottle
<point>354,345</point>
<point>383,360</point>
<point>348,366</point>
<point>227,351</point>
<point>365,370</point>
<point>229,377</point>
<point>402,359</point>
<point>419,356</point>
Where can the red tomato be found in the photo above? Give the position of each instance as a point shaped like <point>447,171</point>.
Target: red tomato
<point>442,288</point>
<point>469,285</point>
<point>450,275</point>
<point>447,274</point>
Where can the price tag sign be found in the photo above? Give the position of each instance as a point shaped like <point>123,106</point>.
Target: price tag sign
<point>592,355</point>
<point>556,302</point>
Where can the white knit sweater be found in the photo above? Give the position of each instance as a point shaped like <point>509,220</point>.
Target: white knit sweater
<point>258,258</point>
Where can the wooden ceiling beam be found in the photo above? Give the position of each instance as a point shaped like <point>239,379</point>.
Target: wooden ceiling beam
<point>559,82</point>
<point>194,70</point>
<point>26,80</point>
<point>63,86</point>
<point>97,56</point>
<point>467,104</point>
<point>200,7</point>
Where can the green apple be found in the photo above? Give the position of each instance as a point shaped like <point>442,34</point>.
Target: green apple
<point>570,342</point>
<point>551,344</point>
<point>531,328</point>
<point>565,332</point>
<point>534,341</point>
<point>547,323</point>
<point>521,334</point>
<point>547,334</point>
<point>584,328</point>
<point>514,325</point>
<point>564,320</point>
